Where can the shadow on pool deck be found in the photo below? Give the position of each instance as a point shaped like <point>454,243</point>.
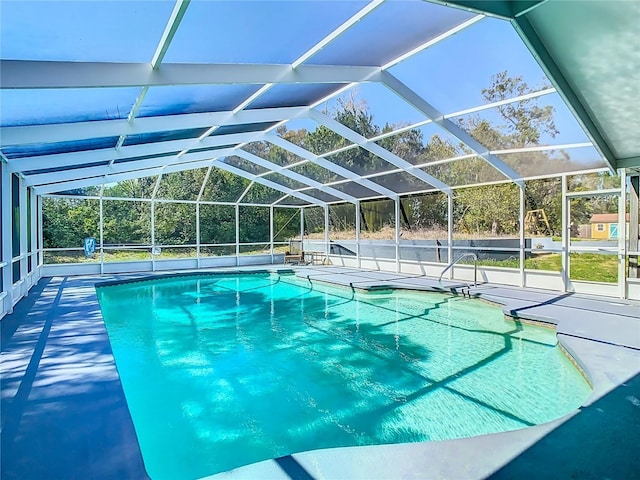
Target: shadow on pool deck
<point>598,442</point>
<point>292,468</point>
<point>64,414</point>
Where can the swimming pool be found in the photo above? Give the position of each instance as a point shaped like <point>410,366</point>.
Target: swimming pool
<point>224,370</point>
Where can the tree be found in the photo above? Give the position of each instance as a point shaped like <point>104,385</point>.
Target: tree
<point>217,224</point>
<point>494,209</point>
<point>491,209</point>
<point>427,211</point>
<point>223,186</point>
<point>184,185</point>
<point>66,222</point>
<point>175,223</point>
<point>286,223</point>
<point>254,224</point>
<point>526,121</point>
<point>126,222</point>
<point>546,194</point>
<point>132,188</point>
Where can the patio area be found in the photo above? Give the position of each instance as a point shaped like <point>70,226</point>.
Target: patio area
<point>63,403</point>
<point>365,143</point>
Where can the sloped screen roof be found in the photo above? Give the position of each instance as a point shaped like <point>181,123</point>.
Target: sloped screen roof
<point>308,102</point>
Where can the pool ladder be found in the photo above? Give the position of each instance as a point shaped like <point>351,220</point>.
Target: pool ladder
<point>475,270</point>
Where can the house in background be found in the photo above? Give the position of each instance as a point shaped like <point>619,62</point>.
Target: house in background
<point>605,225</point>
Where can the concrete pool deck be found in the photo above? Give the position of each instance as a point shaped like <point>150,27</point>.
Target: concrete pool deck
<point>64,414</point>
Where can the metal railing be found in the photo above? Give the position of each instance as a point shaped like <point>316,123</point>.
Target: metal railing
<point>475,267</point>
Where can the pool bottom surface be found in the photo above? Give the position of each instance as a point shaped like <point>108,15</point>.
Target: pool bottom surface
<point>226,370</point>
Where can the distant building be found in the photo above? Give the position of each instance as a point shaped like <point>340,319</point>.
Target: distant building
<point>605,225</point>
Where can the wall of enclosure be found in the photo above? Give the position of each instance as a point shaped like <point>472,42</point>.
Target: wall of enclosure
<point>536,236</point>
<point>21,252</point>
<point>141,234</point>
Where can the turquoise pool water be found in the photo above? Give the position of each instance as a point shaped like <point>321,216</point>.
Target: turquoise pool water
<point>224,370</point>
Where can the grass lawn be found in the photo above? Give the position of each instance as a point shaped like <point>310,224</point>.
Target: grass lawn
<point>51,258</point>
<point>593,267</point>
<point>79,257</point>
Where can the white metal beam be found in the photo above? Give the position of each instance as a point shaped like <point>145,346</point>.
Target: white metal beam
<point>134,110</point>
<point>506,101</point>
<point>64,132</point>
<point>204,184</point>
<point>185,161</point>
<point>375,76</point>
<point>479,108</point>
<point>431,112</point>
<point>296,64</point>
<point>179,9</point>
<point>132,151</point>
<point>87,182</point>
<point>293,175</point>
<point>91,172</point>
<point>98,180</point>
<point>268,183</point>
<point>301,152</point>
<point>377,150</point>
<point>433,41</point>
<point>37,74</point>
<point>261,91</point>
<point>337,32</point>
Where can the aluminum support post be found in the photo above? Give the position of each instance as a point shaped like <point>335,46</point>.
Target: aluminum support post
<point>622,234</point>
<point>566,235</point>
<point>198,235</point>
<point>40,258</point>
<point>7,236</point>
<point>153,222</point>
<point>358,213</point>
<point>271,231</point>
<point>153,235</point>
<point>33,219</point>
<point>101,224</point>
<point>302,231</point>
<point>23,238</point>
<point>397,231</point>
<point>327,245</point>
<point>450,232</point>
<point>522,235</point>
<point>237,211</point>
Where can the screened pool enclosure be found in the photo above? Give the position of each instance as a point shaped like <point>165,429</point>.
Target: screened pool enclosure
<point>392,135</point>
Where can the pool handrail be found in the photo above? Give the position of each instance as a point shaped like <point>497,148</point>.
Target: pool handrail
<point>475,267</point>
